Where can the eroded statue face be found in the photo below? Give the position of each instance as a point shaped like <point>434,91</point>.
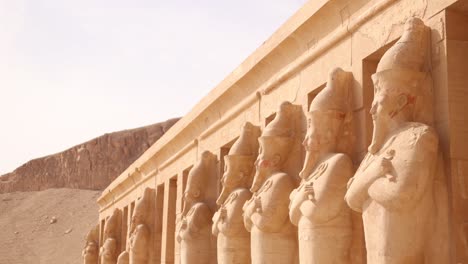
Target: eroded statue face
<point>137,219</point>
<point>264,165</point>
<point>232,178</point>
<point>108,251</point>
<point>311,145</point>
<point>383,110</point>
<point>191,194</point>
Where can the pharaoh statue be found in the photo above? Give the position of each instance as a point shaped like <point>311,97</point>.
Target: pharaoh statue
<point>109,250</point>
<point>108,253</point>
<point>139,233</point>
<point>90,252</point>
<point>317,206</point>
<point>194,229</point>
<point>228,225</point>
<point>393,187</point>
<point>273,237</point>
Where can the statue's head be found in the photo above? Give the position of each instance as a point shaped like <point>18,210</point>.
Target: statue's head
<point>141,212</point>
<point>198,179</point>
<point>91,252</point>
<point>402,84</point>
<point>239,162</point>
<point>111,227</point>
<point>275,144</point>
<point>109,251</point>
<point>328,120</point>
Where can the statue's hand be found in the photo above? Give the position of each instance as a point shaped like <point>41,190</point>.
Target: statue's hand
<point>258,204</point>
<point>222,213</point>
<point>386,168</point>
<point>350,181</point>
<point>250,207</point>
<point>309,190</point>
<point>215,217</point>
<point>385,165</point>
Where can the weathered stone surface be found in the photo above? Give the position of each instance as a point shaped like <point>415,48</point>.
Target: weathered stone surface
<point>272,236</point>
<point>233,240</point>
<point>90,165</point>
<point>396,186</point>
<point>317,206</point>
<point>194,231</point>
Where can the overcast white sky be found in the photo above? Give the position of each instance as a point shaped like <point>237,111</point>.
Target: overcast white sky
<point>72,70</point>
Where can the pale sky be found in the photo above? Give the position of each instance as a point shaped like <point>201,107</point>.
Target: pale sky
<point>72,70</point>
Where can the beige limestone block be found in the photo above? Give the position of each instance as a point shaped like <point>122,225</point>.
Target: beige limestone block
<point>233,240</point>
<point>273,237</point>
<point>394,185</point>
<point>194,229</point>
<point>317,206</point>
<point>90,252</point>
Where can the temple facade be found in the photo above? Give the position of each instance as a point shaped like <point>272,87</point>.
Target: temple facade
<point>362,136</point>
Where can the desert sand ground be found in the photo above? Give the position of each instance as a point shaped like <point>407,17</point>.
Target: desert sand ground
<point>28,237</point>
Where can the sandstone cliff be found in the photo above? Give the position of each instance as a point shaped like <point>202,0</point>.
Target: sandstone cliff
<point>90,165</point>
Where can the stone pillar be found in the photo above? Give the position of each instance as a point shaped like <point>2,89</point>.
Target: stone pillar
<point>169,220</point>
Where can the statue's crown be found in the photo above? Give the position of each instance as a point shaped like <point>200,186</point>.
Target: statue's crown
<point>409,53</point>
<point>282,125</point>
<point>335,96</point>
<point>201,171</point>
<point>247,143</point>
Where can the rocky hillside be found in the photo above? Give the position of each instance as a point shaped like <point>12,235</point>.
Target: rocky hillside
<point>90,165</point>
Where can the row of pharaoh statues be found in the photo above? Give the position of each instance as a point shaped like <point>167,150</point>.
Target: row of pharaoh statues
<point>266,216</point>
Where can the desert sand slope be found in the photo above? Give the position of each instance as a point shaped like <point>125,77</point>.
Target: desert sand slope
<point>26,235</point>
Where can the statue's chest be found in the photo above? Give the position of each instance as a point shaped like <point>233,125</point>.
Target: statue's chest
<point>318,177</point>
<point>266,191</point>
<point>232,201</point>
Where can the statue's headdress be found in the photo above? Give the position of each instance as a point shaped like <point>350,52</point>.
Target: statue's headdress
<point>242,156</point>
<point>93,234</point>
<point>336,94</point>
<point>406,58</point>
<point>280,132</point>
<point>406,65</point>
<point>111,227</point>
<point>142,205</point>
<point>245,150</point>
<point>198,175</point>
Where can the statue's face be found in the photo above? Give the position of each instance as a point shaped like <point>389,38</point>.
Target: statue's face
<point>232,174</point>
<point>109,249</point>
<point>192,193</point>
<point>265,156</point>
<point>91,249</point>
<point>266,161</point>
<point>387,104</point>
<point>232,178</point>
<point>137,219</point>
<point>311,140</point>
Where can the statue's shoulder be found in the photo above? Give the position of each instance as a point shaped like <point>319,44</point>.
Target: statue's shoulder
<point>281,180</point>
<point>200,206</point>
<point>142,228</point>
<point>241,193</point>
<point>339,165</point>
<point>280,177</point>
<point>340,160</point>
<point>419,136</point>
